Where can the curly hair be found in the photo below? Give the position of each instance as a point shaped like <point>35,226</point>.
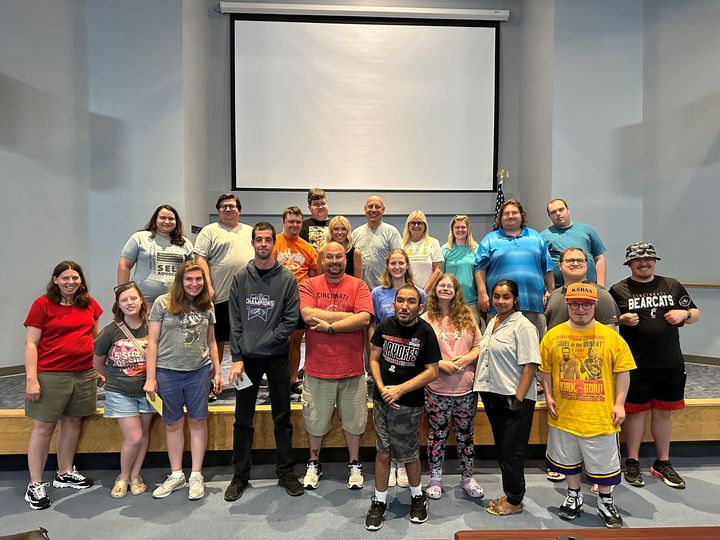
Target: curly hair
<point>386,279</point>
<point>52,291</point>
<point>461,316</point>
<point>176,236</point>
<point>178,302</point>
<point>118,315</point>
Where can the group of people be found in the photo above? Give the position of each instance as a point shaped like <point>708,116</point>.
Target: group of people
<point>397,313</point>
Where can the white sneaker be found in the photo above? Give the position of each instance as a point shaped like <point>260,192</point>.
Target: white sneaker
<point>355,476</point>
<point>402,479</point>
<point>197,487</point>
<point>392,479</point>
<point>172,483</point>
<point>313,472</point>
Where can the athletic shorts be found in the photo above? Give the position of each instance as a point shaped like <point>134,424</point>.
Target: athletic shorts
<point>320,396</point>
<point>662,389</point>
<point>570,454</point>
<point>183,388</point>
<point>119,405</point>
<point>64,393</point>
<point>397,431</point>
<point>222,322</point>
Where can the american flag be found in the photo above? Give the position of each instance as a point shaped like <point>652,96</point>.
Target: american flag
<point>499,200</point>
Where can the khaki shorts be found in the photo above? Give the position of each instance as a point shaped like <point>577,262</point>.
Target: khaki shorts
<point>64,393</point>
<point>320,396</point>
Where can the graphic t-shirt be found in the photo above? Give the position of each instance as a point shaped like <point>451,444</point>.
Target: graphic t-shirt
<point>582,364</point>
<point>654,342</point>
<point>296,255</point>
<point>556,311</point>
<point>124,365</point>
<point>422,255</point>
<point>406,350</point>
<point>340,354</point>
<point>66,343</point>
<point>314,232</point>
<point>227,250</point>
<point>156,261</point>
<point>183,344</point>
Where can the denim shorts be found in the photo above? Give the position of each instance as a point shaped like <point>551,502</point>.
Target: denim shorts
<point>188,388</point>
<point>119,405</point>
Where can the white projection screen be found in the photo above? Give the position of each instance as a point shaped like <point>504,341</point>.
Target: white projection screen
<point>377,105</point>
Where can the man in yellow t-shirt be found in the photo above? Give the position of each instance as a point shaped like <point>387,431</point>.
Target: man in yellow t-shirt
<point>585,405</point>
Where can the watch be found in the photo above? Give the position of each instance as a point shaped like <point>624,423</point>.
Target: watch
<point>330,329</point>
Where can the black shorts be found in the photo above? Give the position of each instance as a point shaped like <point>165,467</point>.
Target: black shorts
<point>222,322</point>
<point>656,389</point>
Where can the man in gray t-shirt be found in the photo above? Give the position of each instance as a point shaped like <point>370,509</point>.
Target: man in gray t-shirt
<point>375,240</point>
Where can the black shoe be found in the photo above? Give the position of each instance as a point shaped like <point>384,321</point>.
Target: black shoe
<point>235,488</point>
<point>665,472</point>
<point>418,509</point>
<point>296,389</point>
<point>633,475</point>
<point>375,515</point>
<point>292,486</point>
<point>572,507</point>
<point>72,479</point>
<point>36,496</point>
<point>606,510</point>
<point>212,397</point>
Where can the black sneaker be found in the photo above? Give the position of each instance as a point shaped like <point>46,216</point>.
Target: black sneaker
<point>292,486</point>
<point>72,479</point>
<point>375,515</point>
<point>633,476</point>
<point>418,509</point>
<point>665,472</point>
<point>235,488</point>
<point>36,496</point>
<point>212,397</point>
<point>572,507</point>
<point>606,510</point>
<point>296,389</point>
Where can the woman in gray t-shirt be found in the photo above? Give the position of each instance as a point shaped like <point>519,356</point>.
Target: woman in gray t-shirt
<point>181,350</point>
<point>120,358</point>
<point>155,253</point>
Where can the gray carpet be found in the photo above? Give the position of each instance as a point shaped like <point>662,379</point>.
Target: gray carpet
<point>333,511</point>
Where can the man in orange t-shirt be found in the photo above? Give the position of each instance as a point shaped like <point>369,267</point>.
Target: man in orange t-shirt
<point>300,258</point>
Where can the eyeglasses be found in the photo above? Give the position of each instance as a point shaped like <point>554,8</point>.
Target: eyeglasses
<point>319,205</point>
<point>228,207</point>
<point>575,261</point>
<point>116,288</point>
<point>584,305</point>
<point>417,223</point>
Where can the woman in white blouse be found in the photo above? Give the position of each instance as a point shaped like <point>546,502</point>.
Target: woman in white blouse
<point>423,250</point>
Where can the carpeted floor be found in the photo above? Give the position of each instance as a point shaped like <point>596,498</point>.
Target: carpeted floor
<point>333,511</point>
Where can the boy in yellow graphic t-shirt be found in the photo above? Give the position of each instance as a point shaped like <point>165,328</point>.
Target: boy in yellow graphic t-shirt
<point>585,371</point>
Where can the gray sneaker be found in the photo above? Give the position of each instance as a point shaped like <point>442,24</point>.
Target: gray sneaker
<point>168,486</point>
<point>197,487</point>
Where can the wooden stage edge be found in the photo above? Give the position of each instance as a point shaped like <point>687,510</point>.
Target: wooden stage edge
<point>698,421</point>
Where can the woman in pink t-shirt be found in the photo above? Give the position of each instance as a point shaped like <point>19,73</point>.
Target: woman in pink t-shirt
<point>450,400</point>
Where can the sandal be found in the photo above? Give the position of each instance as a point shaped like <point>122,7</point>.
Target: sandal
<point>472,488</point>
<point>554,476</point>
<point>137,486</point>
<point>434,489</point>
<point>119,490</point>
<point>500,507</point>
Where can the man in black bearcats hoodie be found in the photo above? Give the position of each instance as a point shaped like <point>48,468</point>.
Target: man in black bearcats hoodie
<point>264,309</point>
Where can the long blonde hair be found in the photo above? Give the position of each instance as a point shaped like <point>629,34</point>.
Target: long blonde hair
<point>342,220</point>
<point>460,315</point>
<point>386,278</point>
<point>470,242</point>
<point>178,302</point>
<point>413,216</point>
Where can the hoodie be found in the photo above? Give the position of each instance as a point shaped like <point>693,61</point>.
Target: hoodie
<point>264,311</point>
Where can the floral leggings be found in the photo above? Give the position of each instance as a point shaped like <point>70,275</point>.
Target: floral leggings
<point>458,412</point>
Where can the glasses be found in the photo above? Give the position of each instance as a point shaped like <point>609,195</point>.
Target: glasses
<point>228,207</point>
<point>575,261</point>
<point>417,223</point>
<point>116,288</point>
<point>584,305</point>
<point>319,205</point>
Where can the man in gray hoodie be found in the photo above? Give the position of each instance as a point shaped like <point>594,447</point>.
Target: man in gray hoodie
<point>264,310</point>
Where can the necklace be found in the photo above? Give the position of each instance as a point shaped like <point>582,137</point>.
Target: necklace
<point>448,333</point>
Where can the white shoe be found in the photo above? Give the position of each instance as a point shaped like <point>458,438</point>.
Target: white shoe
<point>392,479</point>
<point>313,472</point>
<point>355,476</point>
<point>172,483</point>
<point>402,479</point>
<point>197,487</point>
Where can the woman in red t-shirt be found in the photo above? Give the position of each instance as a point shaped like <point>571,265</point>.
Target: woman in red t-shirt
<point>61,384</point>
